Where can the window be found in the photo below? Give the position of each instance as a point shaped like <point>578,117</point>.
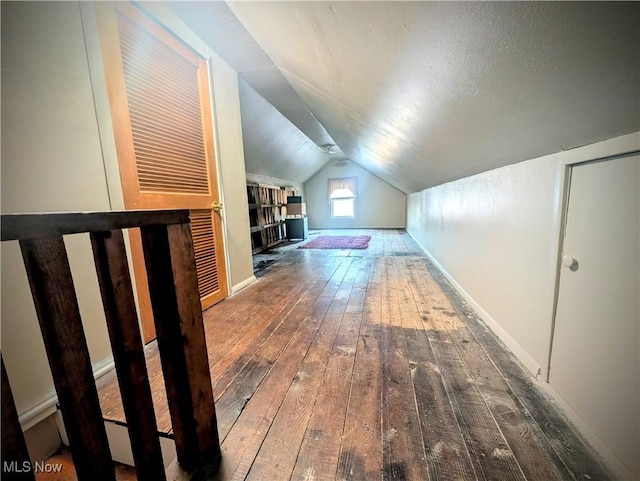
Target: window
<point>342,197</point>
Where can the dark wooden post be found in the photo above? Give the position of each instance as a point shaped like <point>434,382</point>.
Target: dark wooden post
<point>170,262</point>
<point>128,352</point>
<point>59,316</point>
<point>14,448</point>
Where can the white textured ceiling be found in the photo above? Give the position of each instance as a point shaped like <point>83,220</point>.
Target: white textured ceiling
<point>216,24</point>
<point>421,93</point>
<point>273,146</point>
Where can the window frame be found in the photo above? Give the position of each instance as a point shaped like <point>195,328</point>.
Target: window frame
<point>353,201</point>
<point>349,184</point>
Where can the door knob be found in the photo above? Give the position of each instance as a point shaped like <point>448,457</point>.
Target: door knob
<point>570,262</point>
<point>217,206</point>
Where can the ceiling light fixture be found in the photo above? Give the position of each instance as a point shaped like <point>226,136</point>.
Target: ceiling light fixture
<point>328,148</point>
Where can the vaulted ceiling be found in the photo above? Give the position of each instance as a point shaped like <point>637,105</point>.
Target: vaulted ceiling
<point>421,93</point>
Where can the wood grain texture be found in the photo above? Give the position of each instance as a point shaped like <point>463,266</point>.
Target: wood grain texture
<point>32,226</point>
<point>360,455</point>
<point>232,403</point>
<point>562,441</point>
<point>243,443</point>
<point>491,453</point>
<point>320,448</point>
<point>521,432</point>
<point>411,387</point>
<point>14,448</point>
<point>447,455</point>
<point>279,450</point>
<point>128,353</point>
<point>402,442</point>
<point>59,317</point>
<point>173,286</point>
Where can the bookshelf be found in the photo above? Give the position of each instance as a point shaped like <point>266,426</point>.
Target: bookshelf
<point>267,212</point>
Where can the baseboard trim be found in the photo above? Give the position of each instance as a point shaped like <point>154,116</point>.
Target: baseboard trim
<point>602,448</point>
<point>358,228</point>
<point>38,413</point>
<point>241,285</point>
<point>46,408</point>
<point>495,327</point>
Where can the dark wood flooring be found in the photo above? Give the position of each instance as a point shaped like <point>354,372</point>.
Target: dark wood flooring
<point>366,365</point>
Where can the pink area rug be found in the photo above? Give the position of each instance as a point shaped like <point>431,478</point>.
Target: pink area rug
<point>338,242</point>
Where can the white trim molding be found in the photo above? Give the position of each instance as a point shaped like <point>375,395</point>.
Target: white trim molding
<point>38,413</point>
<point>601,447</point>
<point>241,285</point>
<point>46,408</point>
<point>625,144</point>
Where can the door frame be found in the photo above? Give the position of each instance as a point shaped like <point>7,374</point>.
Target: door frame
<point>176,27</point>
<point>601,151</point>
<point>612,149</point>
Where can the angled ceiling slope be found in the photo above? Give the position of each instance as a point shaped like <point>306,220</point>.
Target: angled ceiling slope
<point>421,93</point>
<point>273,146</point>
<point>216,25</point>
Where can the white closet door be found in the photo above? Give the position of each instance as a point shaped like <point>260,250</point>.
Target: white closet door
<point>595,361</point>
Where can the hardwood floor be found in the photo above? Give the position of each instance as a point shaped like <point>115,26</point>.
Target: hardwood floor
<point>60,467</point>
<point>365,365</point>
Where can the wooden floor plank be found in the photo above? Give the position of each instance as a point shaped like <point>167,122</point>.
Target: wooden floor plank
<point>490,450</point>
<point>569,454</point>
<point>320,447</point>
<point>288,284</point>
<point>261,326</point>
<point>521,432</point>
<point>242,444</point>
<point>402,444</point>
<point>279,451</point>
<point>255,316</point>
<point>361,451</point>
<point>367,365</point>
<point>232,403</point>
<point>448,458</point>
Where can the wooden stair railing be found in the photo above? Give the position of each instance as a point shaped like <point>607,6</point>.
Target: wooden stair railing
<point>170,262</point>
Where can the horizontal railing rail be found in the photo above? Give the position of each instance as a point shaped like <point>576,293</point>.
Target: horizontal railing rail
<point>171,271</point>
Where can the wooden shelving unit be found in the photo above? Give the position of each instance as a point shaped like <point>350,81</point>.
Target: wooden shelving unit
<point>267,211</point>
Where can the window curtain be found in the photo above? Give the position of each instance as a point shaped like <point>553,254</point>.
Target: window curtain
<point>350,183</point>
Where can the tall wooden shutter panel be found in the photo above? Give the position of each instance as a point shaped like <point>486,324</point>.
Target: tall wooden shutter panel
<point>205,250</point>
<point>165,111</point>
<point>158,89</point>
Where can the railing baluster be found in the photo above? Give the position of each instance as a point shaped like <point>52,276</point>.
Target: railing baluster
<point>170,260</point>
<point>56,305</point>
<point>170,263</point>
<point>14,448</point>
<point>128,352</point>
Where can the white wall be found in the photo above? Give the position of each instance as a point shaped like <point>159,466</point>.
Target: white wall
<point>51,161</point>
<point>496,235</point>
<point>232,174</point>
<point>492,233</point>
<point>378,204</point>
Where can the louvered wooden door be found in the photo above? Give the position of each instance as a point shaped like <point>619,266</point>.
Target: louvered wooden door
<point>161,111</point>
